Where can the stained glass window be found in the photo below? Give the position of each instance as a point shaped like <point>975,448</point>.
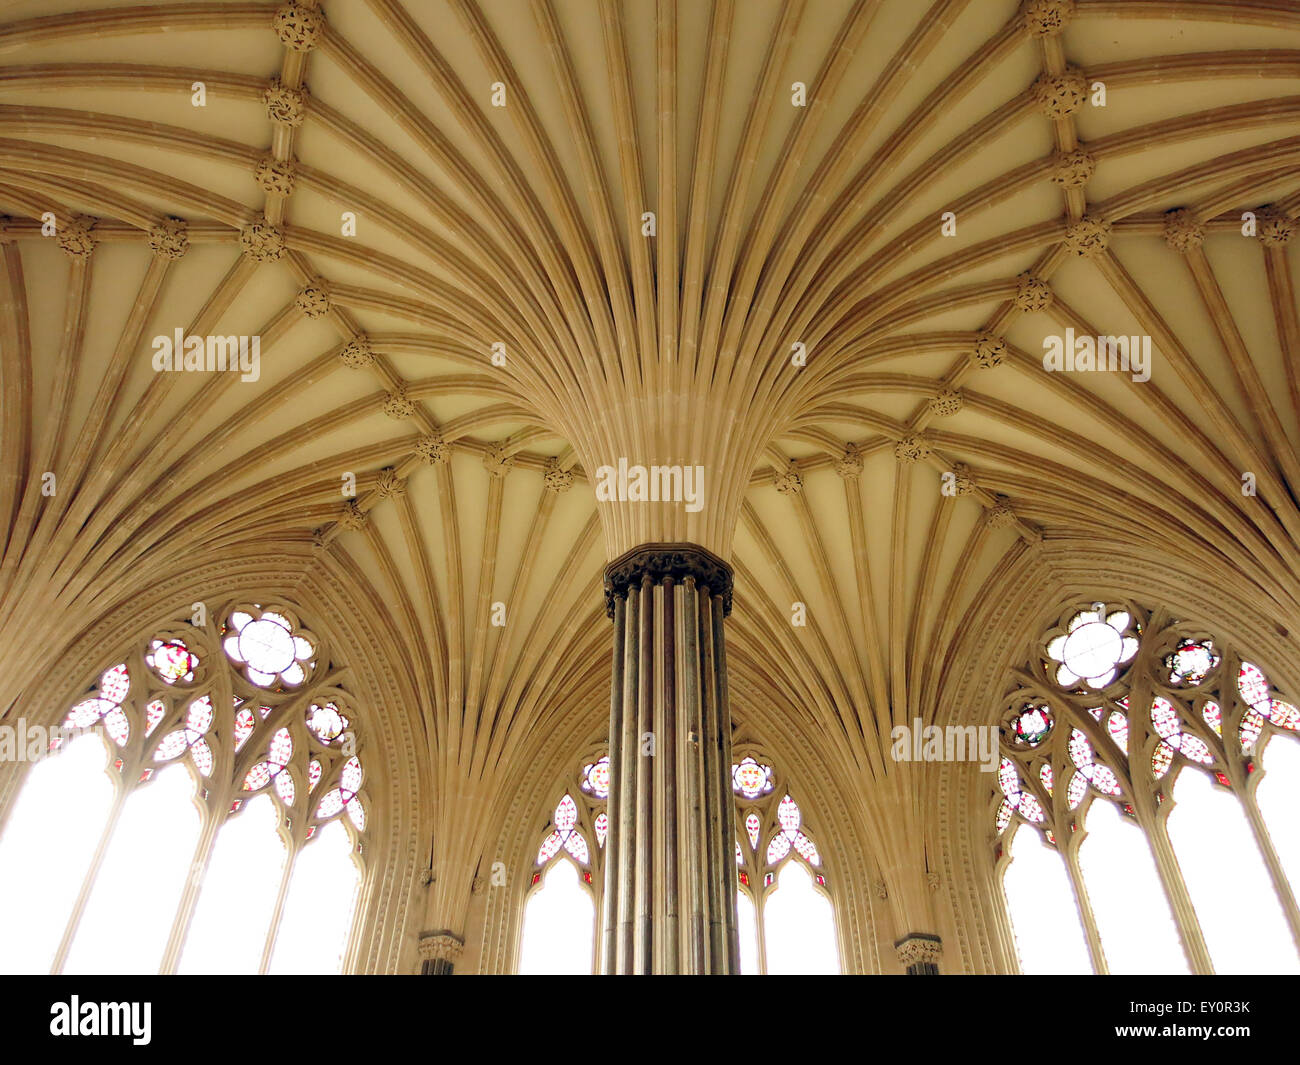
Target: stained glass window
<point>1032,725</point>
<point>595,777</point>
<point>192,716</point>
<point>1204,715</point>
<point>270,647</point>
<point>1191,662</point>
<point>1093,647</point>
<point>558,934</point>
<point>564,835</point>
<point>787,919</point>
<point>751,779</point>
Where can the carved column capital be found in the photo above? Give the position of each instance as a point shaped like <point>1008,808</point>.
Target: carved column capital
<point>439,952</point>
<point>660,561</point>
<point>919,953</point>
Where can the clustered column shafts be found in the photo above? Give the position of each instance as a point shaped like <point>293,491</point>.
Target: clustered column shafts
<point>670,893</point>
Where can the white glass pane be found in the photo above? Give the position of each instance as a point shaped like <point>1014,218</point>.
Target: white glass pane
<point>1240,916</point>
<point>1044,916</point>
<point>233,916</point>
<point>47,843</point>
<point>1138,933</point>
<point>133,903</point>
<point>1278,799</point>
<point>322,897</point>
<point>559,926</point>
<point>748,925</point>
<point>799,926</point>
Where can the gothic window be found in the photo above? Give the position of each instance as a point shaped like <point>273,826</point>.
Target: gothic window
<point>787,923</point>
<point>1148,773</point>
<point>786,920</point>
<point>559,929</point>
<point>210,806</point>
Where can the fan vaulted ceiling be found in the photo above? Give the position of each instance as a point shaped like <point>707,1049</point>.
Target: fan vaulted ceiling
<point>524,225</point>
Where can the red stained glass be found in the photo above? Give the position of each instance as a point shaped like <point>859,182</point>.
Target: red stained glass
<point>550,848</point>
<point>199,718</point>
<point>1161,759</point>
<point>1285,715</point>
<point>172,661</point>
<point>87,712</point>
<point>1252,724</point>
<point>115,683</point>
<point>1117,726</point>
<point>258,777</point>
<point>1213,717</point>
<point>566,814</point>
<point>1030,808</point>
<point>330,805</point>
<point>244,725</point>
<point>602,828</point>
<point>351,777</point>
<point>1076,790</point>
<point>1032,725</point>
<point>1164,717</point>
<point>202,755</point>
<point>1252,684</point>
<point>577,846</point>
<point>787,815</point>
<point>284,787</point>
<point>173,744</point>
<point>117,725</point>
<point>807,849</point>
<point>751,778</point>
<point>1191,662</point>
<point>281,750</point>
<point>595,778</point>
<point>778,848</point>
<point>326,721</point>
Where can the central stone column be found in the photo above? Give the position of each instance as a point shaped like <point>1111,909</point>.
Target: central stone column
<point>670,870</point>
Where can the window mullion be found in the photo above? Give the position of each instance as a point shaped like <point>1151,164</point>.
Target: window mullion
<point>1070,855</point>
<point>190,894</point>
<point>121,794</point>
<point>278,913</point>
<point>1281,885</point>
<point>1153,818</point>
<point>1180,900</point>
